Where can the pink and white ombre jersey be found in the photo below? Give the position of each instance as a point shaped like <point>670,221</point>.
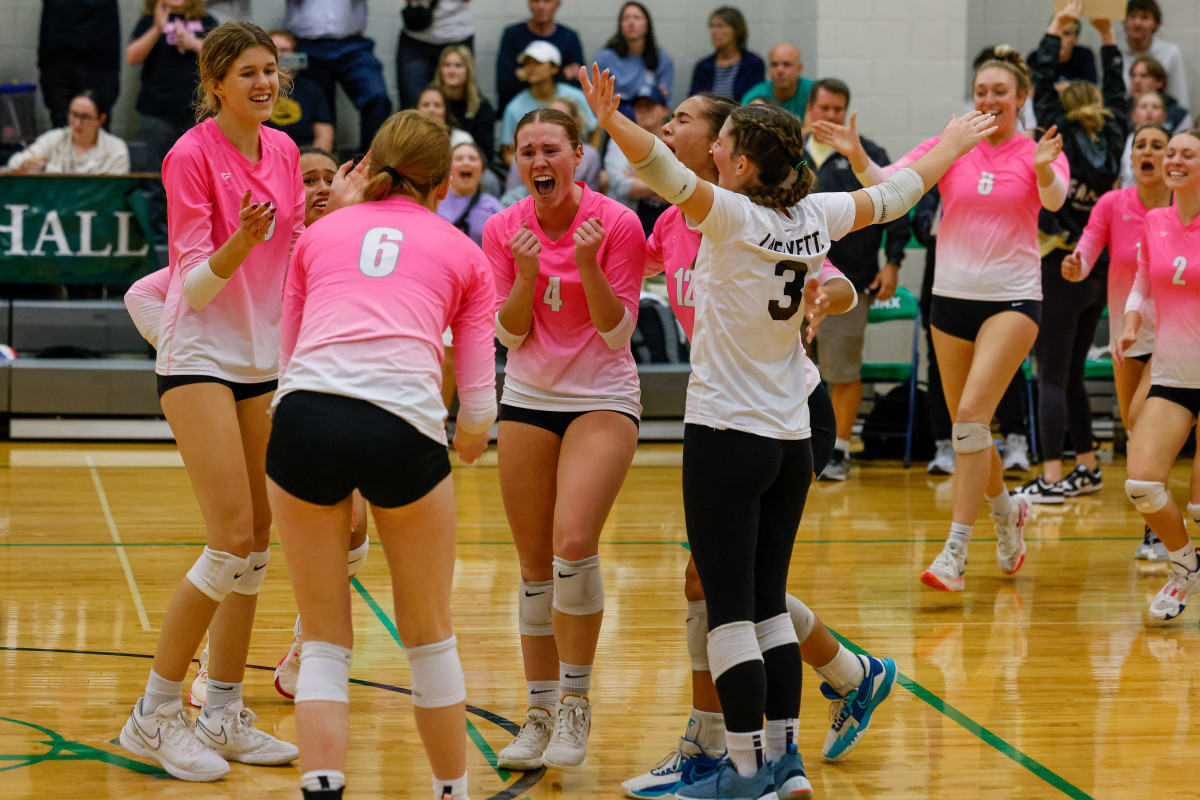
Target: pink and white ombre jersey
<point>1117,221</point>
<point>987,244</point>
<point>564,364</point>
<point>1169,266</point>
<point>370,290</point>
<point>672,249</point>
<point>236,336</point>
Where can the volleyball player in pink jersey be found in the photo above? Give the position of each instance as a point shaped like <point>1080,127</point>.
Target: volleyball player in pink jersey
<point>747,461</point>
<point>672,248</point>
<point>235,206</point>
<point>369,293</point>
<point>987,295</point>
<point>1169,274</point>
<point>568,265</point>
<point>1116,223</point>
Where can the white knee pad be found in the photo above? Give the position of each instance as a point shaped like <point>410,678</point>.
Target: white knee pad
<point>252,579</point>
<point>971,437</point>
<point>356,558</point>
<point>217,573</point>
<point>775,632</point>
<point>534,601</point>
<point>1194,512</point>
<point>578,586</point>
<point>324,673</point>
<point>697,634</point>
<point>803,618</point>
<point>1147,496</point>
<point>731,644</point>
<point>437,676</point>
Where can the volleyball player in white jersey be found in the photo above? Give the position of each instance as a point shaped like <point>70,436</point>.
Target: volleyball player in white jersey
<point>1169,273</point>
<point>747,465</point>
<point>235,206</point>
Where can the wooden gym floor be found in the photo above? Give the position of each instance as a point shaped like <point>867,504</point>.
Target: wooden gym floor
<point>1045,685</point>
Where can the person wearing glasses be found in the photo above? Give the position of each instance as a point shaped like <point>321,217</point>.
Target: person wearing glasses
<point>83,147</point>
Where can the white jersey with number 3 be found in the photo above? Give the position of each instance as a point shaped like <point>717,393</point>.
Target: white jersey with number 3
<point>747,360</point>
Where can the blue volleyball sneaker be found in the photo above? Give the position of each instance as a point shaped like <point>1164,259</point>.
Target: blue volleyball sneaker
<point>851,715</point>
<point>790,781</point>
<point>724,783</point>
<point>683,766</point>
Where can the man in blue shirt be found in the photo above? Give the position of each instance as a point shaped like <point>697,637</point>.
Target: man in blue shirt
<point>784,85</point>
<point>516,38</point>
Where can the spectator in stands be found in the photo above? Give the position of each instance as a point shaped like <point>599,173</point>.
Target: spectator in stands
<point>840,340</point>
<point>433,102</point>
<point>590,169</point>
<point>540,25</point>
<point>651,112</point>
<point>540,63</point>
<point>167,41</point>
<point>230,10</point>
<point>79,47</point>
<point>451,22</point>
<point>732,70</point>
<point>82,147</point>
<point>785,83</point>
<point>1149,108</point>
<point>1075,61</point>
<point>633,57</point>
<point>467,206</point>
<point>456,79</point>
<point>304,114</point>
<point>1148,75</point>
<point>330,33</point>
<point>1143,18</point>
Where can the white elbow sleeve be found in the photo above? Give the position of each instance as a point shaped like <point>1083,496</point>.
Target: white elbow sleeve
<point>1134,302</point>
<point>618,336</point>
<point>895,196</point>
<point>509,340</point>
<point>476,419</point>
<point>201,285</point>
<point>665,175</point>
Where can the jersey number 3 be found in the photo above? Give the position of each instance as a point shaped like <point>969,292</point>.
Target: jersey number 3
<point>793,290</point>
<point>380,252</point>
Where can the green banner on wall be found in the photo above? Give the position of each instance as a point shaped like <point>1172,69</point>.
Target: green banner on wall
<point>73,229</point>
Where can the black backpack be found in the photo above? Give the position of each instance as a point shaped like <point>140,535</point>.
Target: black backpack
<point>658,337</point>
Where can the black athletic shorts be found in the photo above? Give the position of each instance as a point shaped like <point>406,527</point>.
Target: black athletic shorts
<point>1188,398</point>
<point>962,319</point>
<point>554,421</point>
<point>323,446</point>
<point>1144,358</point>
<point>241,391</point>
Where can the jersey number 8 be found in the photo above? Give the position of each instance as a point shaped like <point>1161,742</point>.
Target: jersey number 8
<point>380,252</point>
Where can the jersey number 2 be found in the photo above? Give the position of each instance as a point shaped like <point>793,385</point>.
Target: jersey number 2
<point>793,290</point>
<point>1180,264</point>
<point>553,295</point>
<point>380,252</point>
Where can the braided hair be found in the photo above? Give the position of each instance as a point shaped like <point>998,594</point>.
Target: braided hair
<point>773,140</point>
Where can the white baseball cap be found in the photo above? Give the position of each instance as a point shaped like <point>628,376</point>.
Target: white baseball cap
<point>541,51</point>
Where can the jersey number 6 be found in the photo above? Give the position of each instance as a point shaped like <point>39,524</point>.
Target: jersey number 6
<point>380,252</point>
<point>793,290</point>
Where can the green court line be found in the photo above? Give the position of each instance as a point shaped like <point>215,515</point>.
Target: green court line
<point>982,733</point>
<point>379,612</point>
<point>486,749</point>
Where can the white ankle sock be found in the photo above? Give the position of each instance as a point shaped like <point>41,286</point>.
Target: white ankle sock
<point>542,694</point>
<point>843,445</point>
<point>1185,556</point>
<point>574,678</point>
<point>746,751</point>
<point>780,734</point>
<point>707,729</point>
<point>219,695</point>
<point>1001,503</point>
<point>456,789</point>
<point>844,673</point>
<point>961,532</point>
<point>323,780</point>
<point>159,690</point>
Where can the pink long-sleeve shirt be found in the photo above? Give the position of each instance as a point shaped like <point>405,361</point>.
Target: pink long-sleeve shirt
<point>236,336</point>
<point>563,355</point>
<point>1169,272</point>
<point>370,290</point>
<point>987,244</point>
<point>1116,222</point>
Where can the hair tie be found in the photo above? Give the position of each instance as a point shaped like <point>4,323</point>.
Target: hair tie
<point>396,179</point>
<point>801,164</point>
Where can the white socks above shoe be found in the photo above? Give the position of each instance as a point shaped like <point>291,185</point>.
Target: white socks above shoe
<point>707,729</point>
<point>575,678</point>
<point>450,790</point>
<point>1185,556</point>
<point>746,751</point>
<point>843,445</point>
<point>323,780</point>
<point>542,694</point>
<point>844,673</point>
<point>780,734</point>
<point>219,695</point>
<point>159,690</point>
<point>1001,503</point>
<point>961,532</point>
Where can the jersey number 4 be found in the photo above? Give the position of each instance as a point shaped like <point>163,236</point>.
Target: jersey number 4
<point>553,295</point>
<point>793,290</point>
<point>380,252</point>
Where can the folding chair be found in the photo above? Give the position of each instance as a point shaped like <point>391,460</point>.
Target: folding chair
<point>901,307</point>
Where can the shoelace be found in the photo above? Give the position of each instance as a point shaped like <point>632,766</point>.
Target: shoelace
<point>531,730</point>
<point>243,723</point>
<point>670,762</point>
<point>179,731</point>
<point>569,725</point>
<point>838,712</point>
<point>947,561</point>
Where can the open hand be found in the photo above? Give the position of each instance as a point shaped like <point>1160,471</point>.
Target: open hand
<point>816,306</point>
<point>842,138</point>
<point>964,132</point>
<point>1048,148</point>
<point>256,219</point>
<point>348,183</point>
<point>600,90</point>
